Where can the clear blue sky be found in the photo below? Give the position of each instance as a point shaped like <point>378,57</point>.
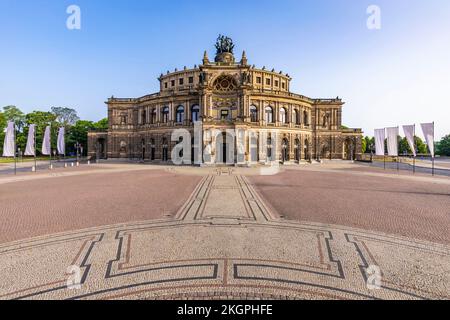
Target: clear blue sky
<point>397,75</point>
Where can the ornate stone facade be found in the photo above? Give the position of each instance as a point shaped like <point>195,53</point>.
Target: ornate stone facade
<point>223,95</point>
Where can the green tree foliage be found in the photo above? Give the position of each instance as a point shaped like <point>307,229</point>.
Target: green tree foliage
<point>12,113</point>
<point>443,147</point>
<point>368,143</point>
<point>102,124</point>
<point>41,119</point>
<point>405,149</point>
<point>78,133</point>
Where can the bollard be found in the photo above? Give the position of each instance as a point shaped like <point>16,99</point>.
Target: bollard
<point>71,164</point>
<point>78,164</point>
<point>51,167</point>
<point>33,169</point>
<point>89,162</point>
<point>65,165</point>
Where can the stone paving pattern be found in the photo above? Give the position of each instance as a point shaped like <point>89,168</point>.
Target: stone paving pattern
<point>233,247</point>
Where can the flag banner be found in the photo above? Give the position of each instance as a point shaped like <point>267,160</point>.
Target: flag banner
<point>428,132</point>
<point>392,141</point>
<point>30,148</point>
<point>409,134</point>
<point>9,144</point>
<point>46,147</point>
<point>380,135</point>
<point>61,141</point>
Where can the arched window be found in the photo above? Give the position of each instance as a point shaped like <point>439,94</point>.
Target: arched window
<point>306,118</point>
<point>165,114</point>
<point>153,116</point>
<point>295,117</point>
<point>269,149</point>
<point>144,116</point>
<point>180,114</point>
<point>253,114</point>
<point>268,115</point>
<point>195,113</point>
<point>283,115</point>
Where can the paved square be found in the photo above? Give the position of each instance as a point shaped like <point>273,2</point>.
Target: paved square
<point>155,232</point>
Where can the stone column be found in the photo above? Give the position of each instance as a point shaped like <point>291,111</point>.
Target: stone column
<point>187,112</point>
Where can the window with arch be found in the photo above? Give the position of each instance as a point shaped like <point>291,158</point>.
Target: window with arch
<point>283,115</point>
<point>253,114</point>
<point>268,114</point>
<point>195,113</point>
<point>144,116</point>
<point>296,117</point>
<point>165,114</point>
<point>180,114</point>
<point>306,118</point>
<point>153,116</point>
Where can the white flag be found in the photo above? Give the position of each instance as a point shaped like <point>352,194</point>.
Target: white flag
<point>9,144</point>
<point>409,134</point>
<point>30,150</point>
<point>428,132</point>
<point>392,141</point>
<point>61,141</point>
<point>46,147</point>
<point>380,135</point>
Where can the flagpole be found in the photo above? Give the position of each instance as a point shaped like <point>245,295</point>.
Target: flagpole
<point>414,151</point>
<point>50,143</point>
<point>398,153</point>
<point>15,149</point>
<point>434,152</point>
<point>35,150</point>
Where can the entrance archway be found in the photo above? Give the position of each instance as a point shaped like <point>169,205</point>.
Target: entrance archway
<point>297,150</point>
<point>306,147</point>
<point>165,150</point>
<point>143,149</point>
<point>101,148</point>
<point>225,149</point>
<point>285,150</point>
<point>349,149</point>
<point>152,149</point>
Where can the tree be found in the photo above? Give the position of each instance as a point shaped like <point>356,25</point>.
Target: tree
<point>65,116</point>
<point>443,147</point>
<point>368,143</point>
<point>404,148</point>
<point>42,119</point>
<point>102,124</point>
<point>420,145</point>
<point>79,133</point>
<point>12,113</point>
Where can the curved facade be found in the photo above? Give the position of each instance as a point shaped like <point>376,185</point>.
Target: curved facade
<point>224,95</point>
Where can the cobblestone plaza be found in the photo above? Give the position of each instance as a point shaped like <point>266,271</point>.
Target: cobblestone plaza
<point>157,232</point>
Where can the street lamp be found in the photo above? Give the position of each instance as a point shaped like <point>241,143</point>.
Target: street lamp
<point>371,147</point>
<point>77,147</point>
